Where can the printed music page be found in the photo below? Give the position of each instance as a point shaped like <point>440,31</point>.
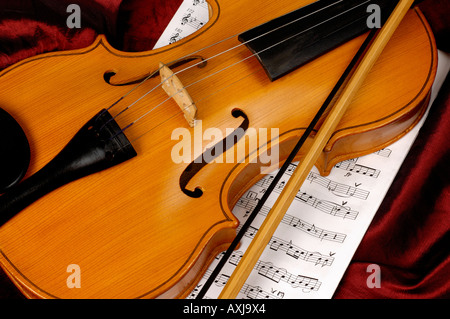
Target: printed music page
<point>190,17</point>
<point>317,238</point>
<point>314,244</point>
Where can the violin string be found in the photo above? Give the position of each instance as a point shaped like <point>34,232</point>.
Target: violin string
<point>216,55</point>
<point>255,38</point>
<point>218,71</point>
<point>181,111</point>
<point>251,40</point>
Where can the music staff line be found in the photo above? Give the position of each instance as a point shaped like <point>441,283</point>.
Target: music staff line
<point>251,292</point>
<point>291,250</point>
<point>328,207</point>
<point>338,189</point>
<point>276,274</point>
<point>200,3</point>
<point>297,223</point>
<point>192,21</point>
<point>359,169</point>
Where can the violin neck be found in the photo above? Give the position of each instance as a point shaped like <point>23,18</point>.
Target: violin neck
<point>288,42</point>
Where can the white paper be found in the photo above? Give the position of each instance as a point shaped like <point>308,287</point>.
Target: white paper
<point>190,17</point>
<point>316,240</point>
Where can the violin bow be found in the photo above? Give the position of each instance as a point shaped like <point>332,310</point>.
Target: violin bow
<point>341,102</point>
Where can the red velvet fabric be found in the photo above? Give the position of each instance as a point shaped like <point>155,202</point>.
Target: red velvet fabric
<point>409,236</point>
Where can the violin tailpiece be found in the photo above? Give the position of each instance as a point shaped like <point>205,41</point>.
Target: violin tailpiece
<point>98,145</point>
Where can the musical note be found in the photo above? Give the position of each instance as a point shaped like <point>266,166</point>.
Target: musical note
<point>190,17</point>
<point>325,206</point>
<point>265,181</point>
<point>256,292</point>
<point>296,223</point>
<point>201,3</point>
<point>174,37</point>
<point>328,207</point>
<point>359,169</point>
<point>291,168</point>
<point>251,292</point>
<point>338,189</point>
<point>192,21</point>
<point>276,274</point>
<point>294,251</point>
<point>385,152</point>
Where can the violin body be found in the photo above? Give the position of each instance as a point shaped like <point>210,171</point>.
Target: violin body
<point>130,228</point>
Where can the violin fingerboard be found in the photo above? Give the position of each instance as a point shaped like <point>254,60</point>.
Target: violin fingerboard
<point>288,42</point>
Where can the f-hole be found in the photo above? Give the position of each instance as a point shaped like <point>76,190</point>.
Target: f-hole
<point>195,166</point>
<point>199,60</point>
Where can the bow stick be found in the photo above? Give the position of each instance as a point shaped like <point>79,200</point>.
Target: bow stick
<point>286,197</point>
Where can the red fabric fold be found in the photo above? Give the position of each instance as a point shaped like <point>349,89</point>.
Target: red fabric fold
<point>29,27</point>
<point>142,22</point>
<point>409,236</point>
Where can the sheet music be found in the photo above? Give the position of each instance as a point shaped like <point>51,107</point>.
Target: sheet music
<point>190,17</point>
<point>314,244</point>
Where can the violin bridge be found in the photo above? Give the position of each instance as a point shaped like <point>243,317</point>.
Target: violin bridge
<point>175,89</point>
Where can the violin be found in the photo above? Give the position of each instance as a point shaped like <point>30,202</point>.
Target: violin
<point>134,184</point>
